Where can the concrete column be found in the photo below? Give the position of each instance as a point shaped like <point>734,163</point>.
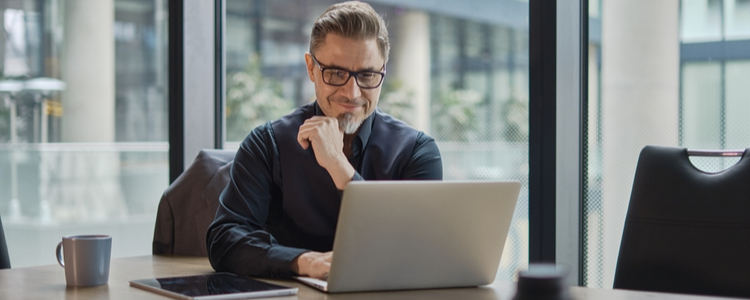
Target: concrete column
<point>88,69</point>
<point>199,68</point>
<point>411,64</point>
<point>640,93</point>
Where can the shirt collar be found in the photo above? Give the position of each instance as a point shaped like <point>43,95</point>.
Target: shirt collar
<point>364,130</point>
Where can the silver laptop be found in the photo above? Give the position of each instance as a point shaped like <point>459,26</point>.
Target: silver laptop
<point>394,235</point>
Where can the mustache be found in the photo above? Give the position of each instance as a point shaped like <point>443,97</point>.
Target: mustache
<point>356,101</point>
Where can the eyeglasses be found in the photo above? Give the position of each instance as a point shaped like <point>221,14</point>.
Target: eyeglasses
<point>339,77</point>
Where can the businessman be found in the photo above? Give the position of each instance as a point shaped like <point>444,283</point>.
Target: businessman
<point>277,216</point>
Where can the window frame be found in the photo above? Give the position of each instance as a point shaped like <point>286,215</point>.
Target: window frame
<point>194,75</point>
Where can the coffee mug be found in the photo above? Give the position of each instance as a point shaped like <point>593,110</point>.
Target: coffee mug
<point>86,260</point>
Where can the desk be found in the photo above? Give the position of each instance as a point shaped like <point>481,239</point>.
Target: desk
<point>48,282</point>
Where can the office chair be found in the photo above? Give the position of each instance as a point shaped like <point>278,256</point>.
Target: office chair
<point>4,258</point>
<point>189,205</point>
<point>686,230</point>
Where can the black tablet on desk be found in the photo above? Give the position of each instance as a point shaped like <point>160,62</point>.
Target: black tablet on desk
<point>215,286</point>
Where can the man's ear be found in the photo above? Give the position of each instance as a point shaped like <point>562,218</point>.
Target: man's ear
<point>310,66</point>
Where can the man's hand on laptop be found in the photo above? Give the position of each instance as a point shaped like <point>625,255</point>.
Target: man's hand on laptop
<point>313,264</point>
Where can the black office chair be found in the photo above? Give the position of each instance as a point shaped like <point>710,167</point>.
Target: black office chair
<point>4,258</point>
<point>686,231</point>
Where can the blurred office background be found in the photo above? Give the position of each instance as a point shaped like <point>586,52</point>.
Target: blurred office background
<point>83,118</point>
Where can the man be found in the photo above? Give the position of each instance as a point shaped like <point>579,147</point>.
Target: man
<point>277,217</point>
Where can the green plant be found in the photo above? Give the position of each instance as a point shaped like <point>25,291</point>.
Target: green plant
<point>252,100</point>
<point>454,115</point>
<point>515,116</point>
<point>397,101</point>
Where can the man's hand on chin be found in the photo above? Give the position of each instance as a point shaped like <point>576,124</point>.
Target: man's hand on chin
<point>313,264</point>
<point>327,140</point>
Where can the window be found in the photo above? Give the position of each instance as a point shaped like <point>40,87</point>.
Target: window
<point>83,123</point>
<point>661,73</point>
<point>458,72</point>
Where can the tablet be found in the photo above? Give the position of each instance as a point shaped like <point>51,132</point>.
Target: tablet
<point>213,286</point>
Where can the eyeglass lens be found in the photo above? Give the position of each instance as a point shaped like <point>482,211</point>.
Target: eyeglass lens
<point>340,77</point>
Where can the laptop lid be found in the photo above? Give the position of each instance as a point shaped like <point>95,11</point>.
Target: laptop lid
<point>420,234</point>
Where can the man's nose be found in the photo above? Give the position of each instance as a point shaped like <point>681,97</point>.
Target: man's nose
<point>351,90</point>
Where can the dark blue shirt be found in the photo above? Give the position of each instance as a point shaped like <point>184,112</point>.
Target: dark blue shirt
<point>280,202</point>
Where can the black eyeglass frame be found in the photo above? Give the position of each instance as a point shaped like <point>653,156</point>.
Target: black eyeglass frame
<point>351,74</point>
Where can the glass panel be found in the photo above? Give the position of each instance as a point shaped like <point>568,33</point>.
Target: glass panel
<point>701,20</point>
<point>595,9</point>
<point>701,105</point>
<point>83,123</point>
<point>457,71</point>
<point>737,104</point>
<point>641,92</point>
<point>737,19</point>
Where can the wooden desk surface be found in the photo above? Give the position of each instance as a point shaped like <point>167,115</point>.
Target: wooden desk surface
<point>48,282</point>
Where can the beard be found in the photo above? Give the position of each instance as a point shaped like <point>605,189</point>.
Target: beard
<point>348,123</point>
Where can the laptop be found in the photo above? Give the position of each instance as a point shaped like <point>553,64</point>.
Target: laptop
<point>394,235</point>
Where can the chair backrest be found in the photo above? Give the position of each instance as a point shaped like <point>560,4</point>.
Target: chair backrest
<point>189,205</point>
<point>4,257</point>
<point>686,231</point>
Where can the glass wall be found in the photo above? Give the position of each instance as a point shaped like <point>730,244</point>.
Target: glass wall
<point>83,123</point>
<point>457,70</point>
<point>670,73</point>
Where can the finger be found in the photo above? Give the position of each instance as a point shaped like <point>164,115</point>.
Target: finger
<point>306,130</point>
<point>314,121</point>
<point>309,135</point>
<point>304,143</point>
<point>317,118</point>
<point>321,121</point>
<point>333,122</point>
<point>303,140</point>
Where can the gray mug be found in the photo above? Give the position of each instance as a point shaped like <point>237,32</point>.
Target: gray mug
<point>86,260</point>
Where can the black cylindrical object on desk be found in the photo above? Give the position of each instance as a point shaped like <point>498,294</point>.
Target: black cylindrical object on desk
<point>542,282</point>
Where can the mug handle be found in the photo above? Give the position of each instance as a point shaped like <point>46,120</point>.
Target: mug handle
<point>59,255</point>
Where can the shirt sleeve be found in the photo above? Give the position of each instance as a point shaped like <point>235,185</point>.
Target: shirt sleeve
<point>236,241</point>
<point>426,162</point>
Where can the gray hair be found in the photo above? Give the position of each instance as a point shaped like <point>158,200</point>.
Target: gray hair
<point>352,19</point>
